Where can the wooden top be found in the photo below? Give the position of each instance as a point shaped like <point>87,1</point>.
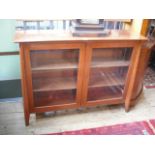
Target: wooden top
<point>53,35</point>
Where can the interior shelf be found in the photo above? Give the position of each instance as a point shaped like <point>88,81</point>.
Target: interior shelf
<point>66,83</point>
<point>59,64</point>
<point>63,64</point>
<point>55,97</point>
<point>54,84</point>
<point>99,62</point>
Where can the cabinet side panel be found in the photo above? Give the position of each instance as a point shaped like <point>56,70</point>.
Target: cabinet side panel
<point>81,77</point>
<point>133,74</point>
<point>24,85</point>
<point>144,57</point>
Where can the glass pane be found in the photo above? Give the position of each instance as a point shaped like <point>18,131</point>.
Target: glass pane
<point>54,74</point>
<point>108,73</point>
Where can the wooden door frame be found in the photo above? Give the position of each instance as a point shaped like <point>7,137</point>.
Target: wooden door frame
<point>50,46</point>
<point>103,44</point>
<point>145,27</point>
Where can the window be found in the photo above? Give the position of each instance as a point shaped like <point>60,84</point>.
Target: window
<point>62,24</point>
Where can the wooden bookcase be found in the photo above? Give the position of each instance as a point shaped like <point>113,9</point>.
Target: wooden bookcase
<point>60,71</point>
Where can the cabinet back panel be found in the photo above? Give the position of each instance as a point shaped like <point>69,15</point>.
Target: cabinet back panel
<point>47,57</point>
<point>112,53</point>
<point>54,98</point>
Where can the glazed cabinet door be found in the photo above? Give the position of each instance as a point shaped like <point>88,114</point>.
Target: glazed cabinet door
<point>107,72</point>
<point>54,75</point>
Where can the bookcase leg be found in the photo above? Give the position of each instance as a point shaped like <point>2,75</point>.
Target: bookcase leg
<point>127,107</point>
<point>27,118</point>
<point>26,110</point>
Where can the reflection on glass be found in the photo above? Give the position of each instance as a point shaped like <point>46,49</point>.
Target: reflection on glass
<point>54,74</point>
<point>108,73</point>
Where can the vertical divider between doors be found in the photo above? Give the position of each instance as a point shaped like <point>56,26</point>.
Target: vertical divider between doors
<point>88,55</point>
<point>80,77</point>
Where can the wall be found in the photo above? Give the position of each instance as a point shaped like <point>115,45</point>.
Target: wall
<point>10,64</point>
<point>137,25</point>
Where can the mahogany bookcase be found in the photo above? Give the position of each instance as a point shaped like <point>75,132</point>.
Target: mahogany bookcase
<point>59,71</point>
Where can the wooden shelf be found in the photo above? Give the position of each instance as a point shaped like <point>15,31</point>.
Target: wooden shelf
<point>54,84</point>
<point>60,64</point>
<point>73,65</point>
<point>115,63</point>
<point>106,80</point>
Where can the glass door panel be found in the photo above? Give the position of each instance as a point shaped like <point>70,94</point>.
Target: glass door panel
<point>108,70</point>
<point>54,76</point>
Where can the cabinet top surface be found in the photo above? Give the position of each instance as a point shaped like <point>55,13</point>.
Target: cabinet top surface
<point>51,35</point>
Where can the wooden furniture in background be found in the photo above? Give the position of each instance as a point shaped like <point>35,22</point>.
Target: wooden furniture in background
<point>60,71</point>
<point>145,27</point>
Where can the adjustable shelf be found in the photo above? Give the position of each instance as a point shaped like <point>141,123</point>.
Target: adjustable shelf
<point>57,65</point>
<point>113,63</point>
<point>60,65</point>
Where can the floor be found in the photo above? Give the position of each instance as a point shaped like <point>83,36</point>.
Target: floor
<point>149,78</point>
<point>12,118</point>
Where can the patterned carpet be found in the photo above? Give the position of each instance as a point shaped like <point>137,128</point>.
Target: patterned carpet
<point>149,78</point>
<point>152,123</point>
<point>134,128</point>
